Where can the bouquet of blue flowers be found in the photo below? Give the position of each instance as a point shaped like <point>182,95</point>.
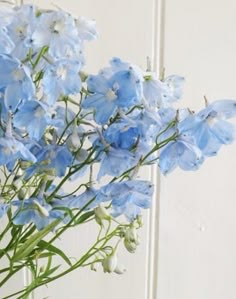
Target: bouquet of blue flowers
<point>59,124</point>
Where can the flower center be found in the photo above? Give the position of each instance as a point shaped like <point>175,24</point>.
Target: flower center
<point>21,31</point>
<point>57,27</point>
<point>111,95</point>
<point>39,112</point>
<point>18,74</point>
<point>61,72</point>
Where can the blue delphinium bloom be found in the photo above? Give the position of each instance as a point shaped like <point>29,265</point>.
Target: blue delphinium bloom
<point>162,93</point>
<point>128,198</point>
<point>16,80</point>
<point>21,28</point>
<point>3,209</point>
<point>62,78</point>
<point>6,43</point>
<point>210,127</point>
<point>115,162</point>
<point>35,210</point>
<point>33,117</point>
<point>52,158</point>
<point>12,149</point>
<point>121,89</point>
<point>6,16</point>
<point>86,200</point>
<point>58,31</point>
<point>86,28</point>
<point>183,153</point>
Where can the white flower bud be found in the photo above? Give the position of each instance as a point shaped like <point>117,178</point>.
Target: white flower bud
<point>130,246</point>
<point>110,263</point>
<point>25,164</point>
<point>73,142</point>
<point>82,155</point>
<point>120,269</point>
<point>101,213</point>
<point>22,193</point>
<point>94,267</point>
<point>131,240</point>
<point>131,235</point>
<point>140,220</point>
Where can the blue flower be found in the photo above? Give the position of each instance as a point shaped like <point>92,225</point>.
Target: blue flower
<point>86,199</point>
<point>35,210</point>
<point>128,198</point>
<point>86,28</point>
<point>210,127</point>
<point>62,78</point>
<point>57,30</point>
<point>53,159</point>
<point>21,28</point>
<point>33,117</point>
<point>162,93</point>
<point>122,89</point>
<point>12,149</point>
<point>6,44</point>
<point>3,209</point>
<point>115,162</point>
<point>16,80</point>
<point>183,153</point>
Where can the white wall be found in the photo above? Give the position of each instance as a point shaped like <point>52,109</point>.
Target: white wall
<point>197,253</point>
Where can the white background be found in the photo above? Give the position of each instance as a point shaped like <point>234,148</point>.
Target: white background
<point>197,247</point>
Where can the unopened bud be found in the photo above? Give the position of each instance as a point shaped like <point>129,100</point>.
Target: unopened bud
<point>22,193</point>
<point>82,155</point>
<point>140,220</point>
<point>130,246</point>
<point>120,269</point>
<point>25,164</point>
<point>94,267</point>
<point>101,213</point>
<point>131,234</point>
<point>73,142</point>
<point>131,240</point>
<point>110,263</point>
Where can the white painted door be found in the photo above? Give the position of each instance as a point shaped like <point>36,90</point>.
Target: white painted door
<point>197,253</point>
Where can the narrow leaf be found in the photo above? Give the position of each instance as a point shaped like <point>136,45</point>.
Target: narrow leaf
<point>51,248</point>
<point>33,241</point>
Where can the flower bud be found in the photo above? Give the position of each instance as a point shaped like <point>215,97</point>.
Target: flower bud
<point>22,193</point>
<point>73,142</point>
<point>101,213</point>
<point>110,262</point>
<point>131,240</point>
<point>82,155</point>
<point>140,220</point>
<point>130,246</point>
<point>94,267</point>
<point>25,164</point>
<point>120,269</point>
<point>131,235</point>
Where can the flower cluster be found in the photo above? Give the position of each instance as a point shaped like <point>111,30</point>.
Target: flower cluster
<point>58,123</point>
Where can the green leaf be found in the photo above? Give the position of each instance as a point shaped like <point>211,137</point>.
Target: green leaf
<point>51,248</point>
<point>84,217</point>
<point>49,272</point>
<point>33,241</point>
